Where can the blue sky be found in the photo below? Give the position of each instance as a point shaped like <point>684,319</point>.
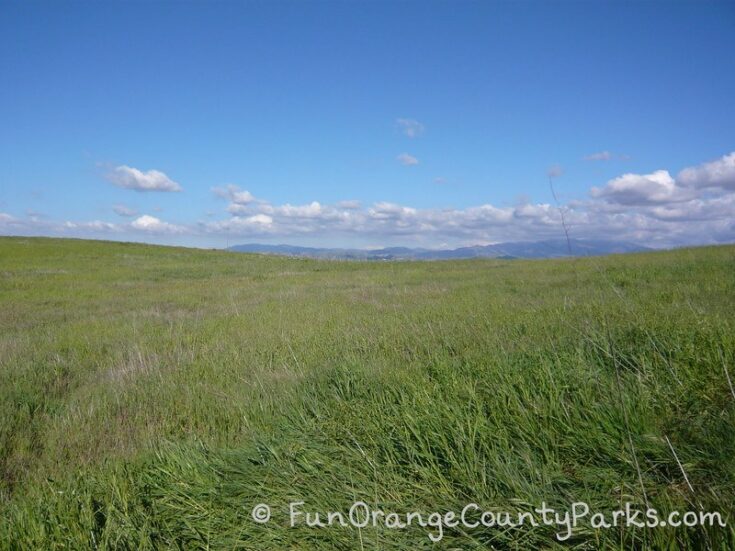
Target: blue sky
<point>367,124</point>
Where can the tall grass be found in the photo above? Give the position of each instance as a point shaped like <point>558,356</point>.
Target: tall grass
<point>152,396</point>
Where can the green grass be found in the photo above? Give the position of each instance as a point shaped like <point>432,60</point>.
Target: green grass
<point>151,396</point>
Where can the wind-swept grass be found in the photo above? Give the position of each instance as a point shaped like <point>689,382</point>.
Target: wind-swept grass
<point>152,396</point>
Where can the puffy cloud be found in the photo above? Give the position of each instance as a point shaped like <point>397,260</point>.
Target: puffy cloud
<point>713,208</point>
<point>650,208</point>
<point>385,211</point>
<point>132,178</point>
<point>312,210</point>
<point>699,220</point>
<point>261,219</point>
<point>487,214</point>
<point>410,127</point>
<point>256,224</point>
<point>642,189</point>
<point>122,210</point>
<point>234,194</point>
<point>541,213</point>
<point>152,224</point>
<point>655,209</point>
<point>715,174</point>
<point>385,219</point>
<point>407,160</point>
<point>238,210</point>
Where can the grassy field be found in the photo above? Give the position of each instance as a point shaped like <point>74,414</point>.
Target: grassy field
<point>151,396</point>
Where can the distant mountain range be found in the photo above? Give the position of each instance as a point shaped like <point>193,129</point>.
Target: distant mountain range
<point>553,248</point>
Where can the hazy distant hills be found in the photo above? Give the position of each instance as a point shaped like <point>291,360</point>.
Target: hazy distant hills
<point>527,249</point>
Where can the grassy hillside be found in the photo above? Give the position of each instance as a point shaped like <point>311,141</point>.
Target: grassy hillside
<point>151,396</point>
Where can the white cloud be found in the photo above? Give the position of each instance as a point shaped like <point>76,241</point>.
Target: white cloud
<point>122,210</point>
<point>238,210</point>
<point>487,214</point>
<point>600,156</point>
<point>152,224</point>
<point>132,178</point>
<point>312,210</point>
<point>698,220</point>
<point>410,127</point>
<point>542,213</point>
<point>94,226</point>
<point>711,208</point>
<point>349,205</point>
<point>642,189</point>
<point>257,224</point>
<point>606,156</point>
<point>390,211</point>
<point>649,208</point>
<point>261,219</point>
<point>407,160</point>
<point>234,194</point>
<point>715,174</point>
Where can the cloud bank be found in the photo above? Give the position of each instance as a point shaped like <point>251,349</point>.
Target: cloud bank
<point>656,209</point>
<point>715,174</point>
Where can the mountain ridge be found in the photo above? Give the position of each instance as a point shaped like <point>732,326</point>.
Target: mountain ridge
<point>549,248</point>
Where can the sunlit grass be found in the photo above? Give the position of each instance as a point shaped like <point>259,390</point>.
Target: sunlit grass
<point>152,395</point>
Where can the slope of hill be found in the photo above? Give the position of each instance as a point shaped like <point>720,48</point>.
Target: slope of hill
<point>151,397</point>
<point>553,248</point>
